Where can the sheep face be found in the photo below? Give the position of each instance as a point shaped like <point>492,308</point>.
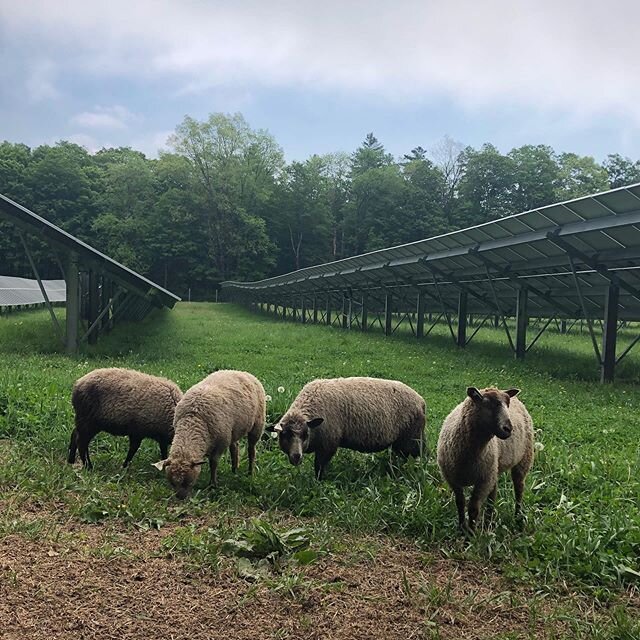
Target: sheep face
<point>294,435</point>
<point>492,406</point>
<point>182,475</point>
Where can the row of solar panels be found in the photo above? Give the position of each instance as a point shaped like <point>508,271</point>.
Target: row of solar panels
<point>65,243</point>
<point>21,291</point>
<point>591,241</point>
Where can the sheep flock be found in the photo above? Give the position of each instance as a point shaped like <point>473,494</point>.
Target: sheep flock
<point>488,433</point>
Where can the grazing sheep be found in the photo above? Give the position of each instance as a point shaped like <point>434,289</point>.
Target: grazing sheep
<point>211,417</point>
<point>365,414</point>
<point>122,402</point>
<point>469,454</point>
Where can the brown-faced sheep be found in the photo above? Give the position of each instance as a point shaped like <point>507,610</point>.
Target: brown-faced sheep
<point>212,417</point>
<point>489,432</point>
<point>365,414</point>
<point>122,402</point>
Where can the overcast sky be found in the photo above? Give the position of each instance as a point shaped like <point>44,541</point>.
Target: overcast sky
<point>319,75</point>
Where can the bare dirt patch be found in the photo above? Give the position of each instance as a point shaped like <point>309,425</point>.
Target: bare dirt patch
<point>102,582</point>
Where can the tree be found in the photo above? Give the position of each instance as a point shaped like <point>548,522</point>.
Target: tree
<point>535,174</point>
<point>621,171</point>
<point>488,184</point>
<point>449,158</point>
<point>425,184</point>
<point>231,163</point>
<point>579,176</point>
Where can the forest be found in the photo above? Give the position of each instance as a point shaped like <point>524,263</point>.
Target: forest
<point>224,204</point>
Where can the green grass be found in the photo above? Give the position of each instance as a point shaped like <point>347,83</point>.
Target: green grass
<point>583,495</point>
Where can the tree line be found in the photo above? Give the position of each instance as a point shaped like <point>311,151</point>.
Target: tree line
<point>224,204</point>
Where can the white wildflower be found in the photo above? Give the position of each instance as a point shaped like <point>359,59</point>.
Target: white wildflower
<point>268,398</point>
<point>280,389</point>
<point>539,446</point>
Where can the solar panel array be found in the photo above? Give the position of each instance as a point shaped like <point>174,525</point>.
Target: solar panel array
<point>99,290</point>
<point>599,234</point>
<point>22,291</point>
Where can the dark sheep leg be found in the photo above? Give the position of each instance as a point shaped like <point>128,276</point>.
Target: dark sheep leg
<point>134,445</point>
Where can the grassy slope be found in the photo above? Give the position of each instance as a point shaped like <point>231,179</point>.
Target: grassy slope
<point>582,495</point>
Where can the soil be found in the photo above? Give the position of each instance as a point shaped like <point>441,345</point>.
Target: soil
<point>98,581</point>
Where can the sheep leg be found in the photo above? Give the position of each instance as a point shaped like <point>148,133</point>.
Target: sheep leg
<point>83,440</point>
<point>518,476</point>
<point>478,496</point>
<point>164,448</point>
<point>73,446</point>
<point>134,445</point>
<point>213,466</point>
<point>235,456</point>
<point>459,493</point>
<point>320,463</point>
<point>488,511</point>
<point>252,438</point>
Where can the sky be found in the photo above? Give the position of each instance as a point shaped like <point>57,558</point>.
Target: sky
<point>321,75</point>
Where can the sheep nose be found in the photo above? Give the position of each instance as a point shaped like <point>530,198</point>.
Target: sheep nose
<point>508,428</point>
<point>295,458</point>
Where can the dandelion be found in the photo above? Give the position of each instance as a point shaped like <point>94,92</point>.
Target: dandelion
<point>539,446</point>
<point>268,398</point>
<point>280,389</point>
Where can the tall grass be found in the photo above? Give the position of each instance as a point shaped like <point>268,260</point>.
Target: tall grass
<point>582,498</point>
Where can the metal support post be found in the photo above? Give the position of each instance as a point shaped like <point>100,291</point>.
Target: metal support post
<point>303,310</point>
<point>563,326</point>
<point>608,368</point>
<point>420,315</point>
<point>73,303</point>
<point>462,319</point>
<point>345,318</point>
<point>315,309</point>
<point>521,323</point>
<point>364,322</point>
<point>94,305</point>
<point>328,314</point>
<point>388,311</point>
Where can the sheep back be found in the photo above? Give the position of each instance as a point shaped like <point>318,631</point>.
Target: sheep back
<point>124,402</point>
<point>218,411</point>
<point>360,413</point>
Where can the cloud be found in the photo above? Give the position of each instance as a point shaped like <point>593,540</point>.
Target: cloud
<point>151,144</point>
<point>86,141</point>
<point>575,56</point>
<point>39,82</point>
<point>115,117</point>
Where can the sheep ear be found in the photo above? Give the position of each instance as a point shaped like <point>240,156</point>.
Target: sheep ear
<point>316,422</point>
<point>512,392</point>
<point>160,465</point>
<point>474,394</point>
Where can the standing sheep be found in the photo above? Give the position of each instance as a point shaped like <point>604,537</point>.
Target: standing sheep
<point>122,402</point>
<point>211,417</point>
<point>365,414</point>
<point>469,454</point>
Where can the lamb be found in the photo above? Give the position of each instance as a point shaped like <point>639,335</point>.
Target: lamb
<point>211,417</point>
<point>365,414</point>
<point>122,402</point>
<point>469,454</point>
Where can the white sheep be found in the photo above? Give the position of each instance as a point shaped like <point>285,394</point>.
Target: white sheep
<point>365,414</point>
<point>212,417</point>
<point>122,402</point>
<point>489,432</point>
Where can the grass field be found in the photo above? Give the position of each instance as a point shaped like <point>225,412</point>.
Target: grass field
<point>371,552</point>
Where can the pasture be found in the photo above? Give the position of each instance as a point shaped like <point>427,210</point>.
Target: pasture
<point>372,552</point>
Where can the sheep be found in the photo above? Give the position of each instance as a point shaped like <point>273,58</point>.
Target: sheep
<point>122,402</point>
<point>469,454</point>
<point>211,417</point>
<point>364,414</point>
